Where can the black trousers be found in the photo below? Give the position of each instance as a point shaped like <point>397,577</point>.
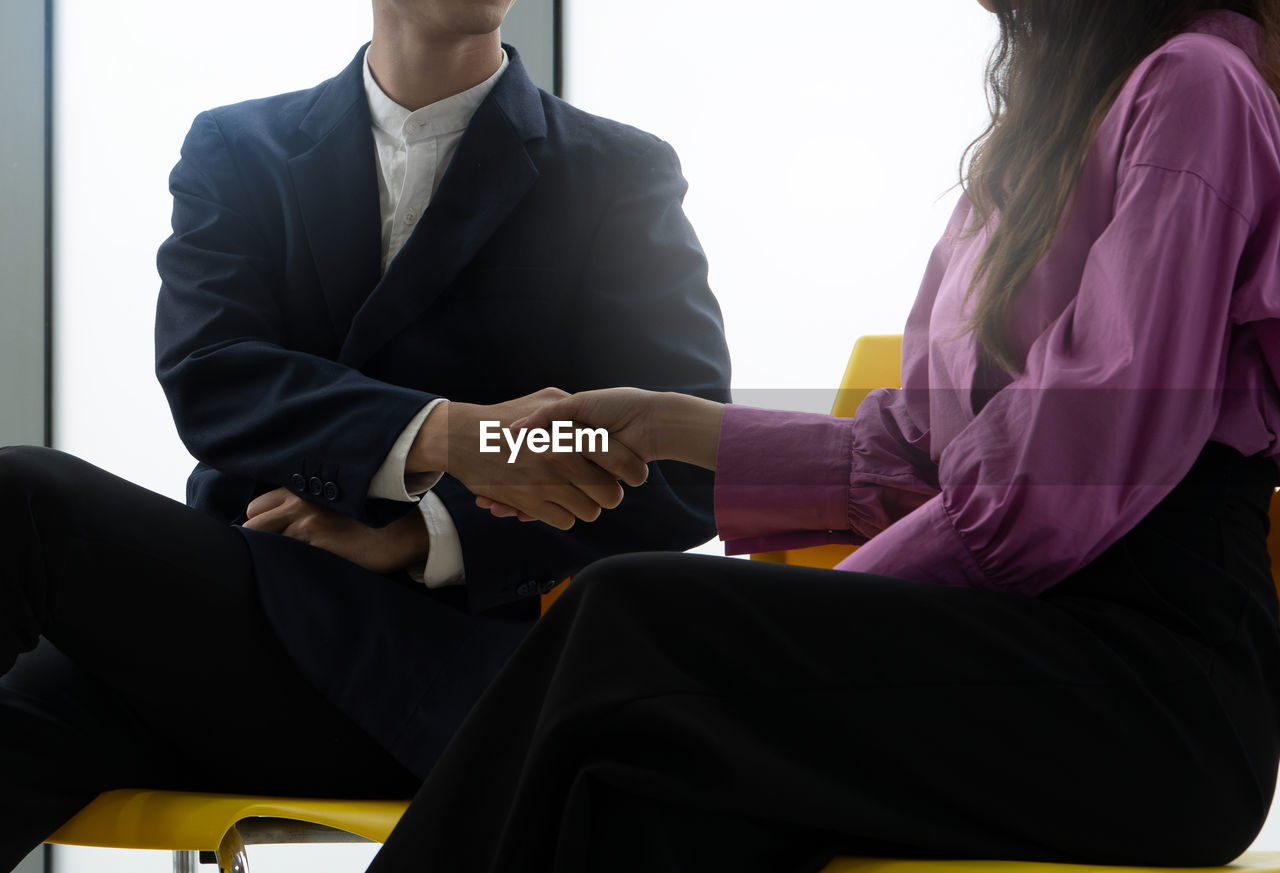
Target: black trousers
<point>684,713</point>
<point>148,659</point>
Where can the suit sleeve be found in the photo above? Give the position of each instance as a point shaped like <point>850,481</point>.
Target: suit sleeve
<point>244,398</point>
<point>645,317</point>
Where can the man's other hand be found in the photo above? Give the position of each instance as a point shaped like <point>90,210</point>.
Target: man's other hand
<point>400,544</point>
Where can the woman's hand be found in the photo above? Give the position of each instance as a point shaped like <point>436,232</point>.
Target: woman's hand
<point>558,488</point>
<point>401,544</point>
<point>654,425</point>
<point>628,414</point>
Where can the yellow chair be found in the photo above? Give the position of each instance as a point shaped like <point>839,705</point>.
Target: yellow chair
<point>222,825</point>
<point>876,362</point>
<point>219,826</point>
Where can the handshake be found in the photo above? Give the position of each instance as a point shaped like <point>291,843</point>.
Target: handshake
<point>548,456</point>
<point>579,450</point>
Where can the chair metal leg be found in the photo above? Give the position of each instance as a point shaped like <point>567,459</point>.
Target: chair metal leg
<point>186,862</point>
<point>231,854</point>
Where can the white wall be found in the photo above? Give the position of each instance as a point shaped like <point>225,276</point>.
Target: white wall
<point>821,140</point>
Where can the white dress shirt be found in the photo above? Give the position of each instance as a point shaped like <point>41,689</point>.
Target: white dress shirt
<point>413,151</point>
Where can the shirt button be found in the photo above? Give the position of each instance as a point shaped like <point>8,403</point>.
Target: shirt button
<point>410,217</point>
<point>316,486</point>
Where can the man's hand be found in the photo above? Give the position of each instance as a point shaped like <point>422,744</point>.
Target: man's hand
<point>554,487</point>
<point>401,544</point>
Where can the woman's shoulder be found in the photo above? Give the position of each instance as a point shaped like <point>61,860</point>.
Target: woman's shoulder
<point>1203,63</point>
<point>1199,105</point>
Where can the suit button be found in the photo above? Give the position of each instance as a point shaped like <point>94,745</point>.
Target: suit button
<point>330,491</point>
<point>546,586</point>
<point>527,589</point>
<point>298,481</point>
<point>316,486</point>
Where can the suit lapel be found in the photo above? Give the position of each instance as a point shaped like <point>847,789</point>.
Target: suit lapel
<point>337,190</point>
<point>490,173</point>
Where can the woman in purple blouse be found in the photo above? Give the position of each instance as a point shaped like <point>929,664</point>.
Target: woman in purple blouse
<point>1060,639</point>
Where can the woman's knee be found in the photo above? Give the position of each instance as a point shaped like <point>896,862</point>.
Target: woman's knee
<point>635,579</point>
<point>653,592</point>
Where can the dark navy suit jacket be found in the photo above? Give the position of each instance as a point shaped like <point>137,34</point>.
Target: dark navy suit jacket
<point>555,252</point>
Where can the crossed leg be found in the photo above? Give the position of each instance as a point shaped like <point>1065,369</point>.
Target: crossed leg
<point>135,653</point>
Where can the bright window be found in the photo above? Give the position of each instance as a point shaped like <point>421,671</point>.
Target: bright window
<point>821,141</point>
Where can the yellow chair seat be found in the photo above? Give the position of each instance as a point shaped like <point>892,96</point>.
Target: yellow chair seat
<point>193,821</point>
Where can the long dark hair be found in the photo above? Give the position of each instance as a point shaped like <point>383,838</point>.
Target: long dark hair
<point>1052,76</point>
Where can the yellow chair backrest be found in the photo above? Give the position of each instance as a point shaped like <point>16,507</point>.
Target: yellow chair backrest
<point>876,362</point>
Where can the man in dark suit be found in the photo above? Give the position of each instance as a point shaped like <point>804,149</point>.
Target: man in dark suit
<point>325,375</point>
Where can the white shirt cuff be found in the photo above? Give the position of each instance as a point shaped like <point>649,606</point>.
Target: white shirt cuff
<point>391,482</point>
<point>444,561</point>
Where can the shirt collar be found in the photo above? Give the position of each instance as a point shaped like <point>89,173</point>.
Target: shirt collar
<point>1238,29</point>
<point>444,116</point>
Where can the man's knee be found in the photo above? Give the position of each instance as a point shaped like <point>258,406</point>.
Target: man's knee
<point>22,466</point>
<point>38,490</point>
<point>20,455</point>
